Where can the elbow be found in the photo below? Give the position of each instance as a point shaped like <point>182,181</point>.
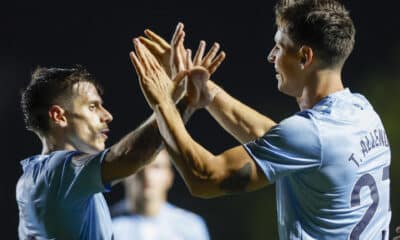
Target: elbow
<point>204,188</point>
<point>261,130</point>
<point>202,178</point>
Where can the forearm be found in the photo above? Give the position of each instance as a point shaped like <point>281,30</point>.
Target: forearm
<point>137,148</point>
<point>241,121</point>
<point>196,165</point>
<point>132,152</point>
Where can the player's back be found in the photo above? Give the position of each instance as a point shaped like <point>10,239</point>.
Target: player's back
<point>348,195</point>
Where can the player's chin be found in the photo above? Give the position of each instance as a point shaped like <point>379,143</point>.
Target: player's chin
<point>99,146</point>
<point>286,90</point>
<point>281,87</point>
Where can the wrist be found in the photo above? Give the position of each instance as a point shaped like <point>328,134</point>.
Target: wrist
<point>166,103</point>
<point>185,109</point>
<point>213,89</point>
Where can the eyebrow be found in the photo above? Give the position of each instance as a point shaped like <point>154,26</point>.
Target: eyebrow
<point>97,101</point>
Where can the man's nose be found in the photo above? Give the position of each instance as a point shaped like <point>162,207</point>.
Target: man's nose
<point>106,117</point>
<point>271,57</point>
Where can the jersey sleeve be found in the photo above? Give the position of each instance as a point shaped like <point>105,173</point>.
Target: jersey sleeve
<point>291,146</point>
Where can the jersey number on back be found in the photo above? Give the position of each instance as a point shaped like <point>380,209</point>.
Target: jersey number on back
<point>366,180</point>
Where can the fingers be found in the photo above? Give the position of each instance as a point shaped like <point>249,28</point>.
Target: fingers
<point>141,55</point>
<point>211,54</point>
<point>153,63</point>
<point>211,61</point>
<point>154,47</point>
<point>216,62</point>
<point>199,53</point>
<point>137,64</point>
<point>146,58</point>
<point>189,63</point>
<point>182,52</point>
<point>177,53</point>
<point>177,33</point>
<point>155,38</point>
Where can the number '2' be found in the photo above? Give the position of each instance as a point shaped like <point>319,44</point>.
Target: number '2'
<point>366,180</point>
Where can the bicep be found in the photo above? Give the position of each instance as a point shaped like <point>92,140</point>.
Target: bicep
<point>239,171</point>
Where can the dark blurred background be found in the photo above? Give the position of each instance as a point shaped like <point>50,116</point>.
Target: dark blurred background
<point>98,36</point>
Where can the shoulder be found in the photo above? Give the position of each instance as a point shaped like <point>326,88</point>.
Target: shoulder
<point>60,157</point>
<point>47,162</point>
<point>39,171</point>
<point>301,122</point>
<point>297,130</point>
<point>81,158</point>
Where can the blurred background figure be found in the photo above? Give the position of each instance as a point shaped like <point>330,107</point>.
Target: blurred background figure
<point>145,214</point>
<point>397,237</point>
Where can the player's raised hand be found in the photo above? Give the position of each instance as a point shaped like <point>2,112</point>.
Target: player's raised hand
<point>156,85</point>
<point>211,61</point>
<point>168,54</point>
<point>178,52</point>
<point>198,93</point>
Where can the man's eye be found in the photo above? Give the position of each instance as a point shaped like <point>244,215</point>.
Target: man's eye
<point>92,107</point>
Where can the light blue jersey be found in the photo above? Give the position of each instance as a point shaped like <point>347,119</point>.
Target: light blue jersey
<point>60,198</point>
<point>331,168</point>
<point>171,223</point>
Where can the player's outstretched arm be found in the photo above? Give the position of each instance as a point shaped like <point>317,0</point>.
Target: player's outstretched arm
<point>141,145</point>
<point>206,175</point>
<point>238,119</point>
<point>241,121</point>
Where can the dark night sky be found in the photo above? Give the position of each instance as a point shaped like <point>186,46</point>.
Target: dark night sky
<point>98,36</point>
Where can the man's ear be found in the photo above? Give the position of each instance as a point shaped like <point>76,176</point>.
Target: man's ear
<point>57,116</point>
<point>306,56</point>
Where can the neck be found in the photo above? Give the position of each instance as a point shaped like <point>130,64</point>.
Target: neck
<point>146,207</point>
<point>322,84</point>
<point>49,144</point>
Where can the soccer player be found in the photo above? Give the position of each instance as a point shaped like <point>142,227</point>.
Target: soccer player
<point>145,214</point>
<point>59,193</point>
<point>330,161</point>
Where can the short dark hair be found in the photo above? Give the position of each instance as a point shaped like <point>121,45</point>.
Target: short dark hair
<point>324,25</point>
<point>44,90</point>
